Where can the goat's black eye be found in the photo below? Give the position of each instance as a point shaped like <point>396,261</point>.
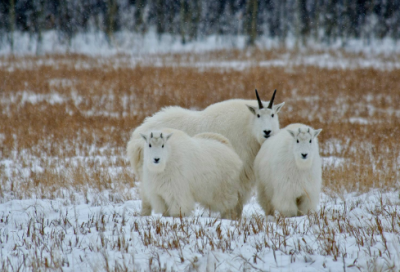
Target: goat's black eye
<point>298,141</point>
<point>162,146</point>
<point>149,145</point>
<point>310,141</point>
<point>258,115</point>
<point>272,115</point>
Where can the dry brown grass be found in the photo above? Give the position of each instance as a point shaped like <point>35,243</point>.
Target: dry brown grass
<point>101,105</point>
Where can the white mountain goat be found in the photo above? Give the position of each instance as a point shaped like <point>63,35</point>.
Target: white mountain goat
<point>288,171</point>
<point>180,170</point>
<point>246,123</point>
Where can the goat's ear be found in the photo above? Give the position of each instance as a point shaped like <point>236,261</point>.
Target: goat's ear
<point>317,132</point>
<point>278,107</point>
<point>143,136</point>
<point>168,136</point>
<point>252,109</point>
<point>291,133</point>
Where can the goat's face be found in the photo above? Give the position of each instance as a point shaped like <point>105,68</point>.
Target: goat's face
<point>304,146</point>
<point>265,119</point>
<point>156,151</point>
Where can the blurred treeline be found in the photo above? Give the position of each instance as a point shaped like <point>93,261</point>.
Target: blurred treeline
<point>320,20</point>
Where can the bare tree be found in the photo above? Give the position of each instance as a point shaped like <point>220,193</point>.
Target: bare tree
<point>139,22</point>
<point>195,11</point>
<point>111,19</point>
<point>182,14</point>
<point>12,23</point>
<point>303,20</point>
<point>251,26</point>
<point>282,21</point>
<point>39,24</point>
<point>316,20</point>
<point>330,20</point>
<point>160,10</point>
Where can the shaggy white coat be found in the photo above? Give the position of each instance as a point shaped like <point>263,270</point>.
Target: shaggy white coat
<point>231,118</point>
<point>286,182</point>
<point>203,169</point>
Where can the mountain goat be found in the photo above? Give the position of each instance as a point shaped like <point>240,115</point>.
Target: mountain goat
<point>246,123</point>
<point>288,171</point>
<point>179,170</point>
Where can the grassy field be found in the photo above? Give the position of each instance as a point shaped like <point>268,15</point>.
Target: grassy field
<point>65,122</point>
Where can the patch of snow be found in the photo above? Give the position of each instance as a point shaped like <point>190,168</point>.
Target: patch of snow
<point>358,120</point>
<point>332,161</point>
<point>314,60</point>
<point>23,97</point>
<point>61,82</point>
<point>2,137</point>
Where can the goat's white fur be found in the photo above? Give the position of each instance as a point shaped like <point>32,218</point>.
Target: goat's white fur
<point>287,182</point>
<point>236,119</point>
<point>180,170</point>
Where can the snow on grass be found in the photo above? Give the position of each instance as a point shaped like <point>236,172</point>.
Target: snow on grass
<point>23,97</point>
<point>288,62</point>
<point>103,106</point>
<point>332,161</point>
<point>322,61</point>
<point>355,232</point>
<point>358,120</point>
<point>377,54</point>
<point>126,42</point>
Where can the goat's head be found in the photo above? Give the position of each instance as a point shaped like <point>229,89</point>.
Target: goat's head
<point>305,145</point>
<point>265,119</point>
<point>156,151</point>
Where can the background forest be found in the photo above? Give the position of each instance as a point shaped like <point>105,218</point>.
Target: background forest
<point>323,21</point>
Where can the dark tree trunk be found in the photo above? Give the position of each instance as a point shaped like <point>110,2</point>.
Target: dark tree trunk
<point>39,21</point>
<point>304,20</point>
<point>111,19</point>
<point>182,15</point>
<point>251,26</point>
<point>139,7</point>
<point>12,23</point>
<point>194,19</point>
<point>330,20</point>
<point>282,21</point>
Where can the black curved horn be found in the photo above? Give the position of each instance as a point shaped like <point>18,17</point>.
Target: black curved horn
<point>271,102</point>
<point>260,105</point>
<point>151,135</point>
<point>161,135</point>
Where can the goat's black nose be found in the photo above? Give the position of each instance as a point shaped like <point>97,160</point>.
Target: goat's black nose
<point>267,133</point>
<point>156,160</point>
<point>304,155</point>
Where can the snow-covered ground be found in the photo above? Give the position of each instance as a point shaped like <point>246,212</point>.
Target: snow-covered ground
<point>349,233</point>
<point>125,42</point>
<point>138,49</point>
